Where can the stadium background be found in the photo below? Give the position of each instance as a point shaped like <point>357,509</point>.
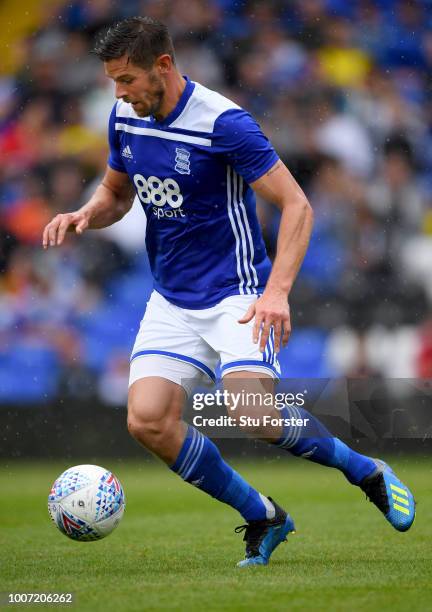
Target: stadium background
<point>343,90</point>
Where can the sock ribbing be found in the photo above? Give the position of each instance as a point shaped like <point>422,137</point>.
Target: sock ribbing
<point>201,464</point>
<point>314,442</point>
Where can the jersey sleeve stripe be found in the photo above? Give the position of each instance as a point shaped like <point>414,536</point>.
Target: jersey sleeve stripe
<point>143,131</point>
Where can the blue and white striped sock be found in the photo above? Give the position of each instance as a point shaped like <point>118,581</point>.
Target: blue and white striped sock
<point>200,463</point>
<point>313,441</point>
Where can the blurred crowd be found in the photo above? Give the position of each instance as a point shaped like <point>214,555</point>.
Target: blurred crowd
<point>342,89</point>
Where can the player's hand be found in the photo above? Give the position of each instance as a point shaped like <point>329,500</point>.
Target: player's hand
<point>271,309</point>
<point>54,232</point>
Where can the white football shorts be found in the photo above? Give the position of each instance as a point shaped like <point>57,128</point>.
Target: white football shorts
<point>186,346</point>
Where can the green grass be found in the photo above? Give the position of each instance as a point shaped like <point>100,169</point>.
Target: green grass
<point>175,548</point>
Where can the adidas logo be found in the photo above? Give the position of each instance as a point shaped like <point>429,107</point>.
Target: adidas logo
<point>309,453</point>
<point>127,152</point>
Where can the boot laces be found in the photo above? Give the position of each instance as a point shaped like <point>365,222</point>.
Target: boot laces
<point>254,533</point>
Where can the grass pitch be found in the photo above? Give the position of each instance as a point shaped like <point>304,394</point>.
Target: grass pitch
<point>175,548</point>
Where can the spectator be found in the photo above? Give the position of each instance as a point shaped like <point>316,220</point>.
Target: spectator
<point>341,89</point>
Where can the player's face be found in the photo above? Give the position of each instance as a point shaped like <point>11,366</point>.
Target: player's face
<point>144,89</point>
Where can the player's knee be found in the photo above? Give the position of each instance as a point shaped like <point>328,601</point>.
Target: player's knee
<point>255,421</point>
<point>146,432</point>
<point>148,425</point>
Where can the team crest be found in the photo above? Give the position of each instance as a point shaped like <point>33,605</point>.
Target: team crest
<point>182,161</point>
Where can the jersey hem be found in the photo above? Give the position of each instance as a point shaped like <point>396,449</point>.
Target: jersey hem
<point>209,304</point>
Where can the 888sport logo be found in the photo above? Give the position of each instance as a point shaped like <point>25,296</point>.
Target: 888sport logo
<point>158,192</point>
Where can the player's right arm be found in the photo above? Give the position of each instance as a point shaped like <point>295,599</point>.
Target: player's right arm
<point>110,202</point>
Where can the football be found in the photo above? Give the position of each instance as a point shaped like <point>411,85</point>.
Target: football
<point>86,502</point>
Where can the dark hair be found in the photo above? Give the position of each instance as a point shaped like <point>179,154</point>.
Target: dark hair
<point>142,39</point>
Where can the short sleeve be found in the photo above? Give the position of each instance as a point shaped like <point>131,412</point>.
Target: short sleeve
<point>115,160</point>
<point>240,140</point>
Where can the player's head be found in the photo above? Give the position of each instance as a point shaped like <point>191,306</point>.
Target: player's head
<point>138,54</point>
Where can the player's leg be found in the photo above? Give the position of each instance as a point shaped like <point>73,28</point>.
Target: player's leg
<point>155,420</point>
<point>261,537</point>
<point>310,440</point>
<point>168,360</point>
<point>248,403</point>
<point>314,442</point>
<point>155,407</point>
<point>217,326</point>
<point>304,435</point>
<point>307,437</point>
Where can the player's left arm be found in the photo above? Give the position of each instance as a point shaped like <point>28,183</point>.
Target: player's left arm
<point>278,186</point>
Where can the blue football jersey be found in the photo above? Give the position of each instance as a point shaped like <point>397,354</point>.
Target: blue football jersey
<point>191,172</point>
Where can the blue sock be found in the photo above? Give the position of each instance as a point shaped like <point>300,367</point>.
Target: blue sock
<point>200,463</point>
<point>314,442</point>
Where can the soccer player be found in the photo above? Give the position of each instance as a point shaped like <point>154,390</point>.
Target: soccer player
<point>195,160</point>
